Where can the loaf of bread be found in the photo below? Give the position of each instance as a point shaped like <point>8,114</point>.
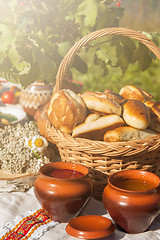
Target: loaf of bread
<point>100,103</point>
<point>132,92</point>
<point>66,110</point>
<point>136,114</point>
<point>126,133</point>
<point>94,128</point>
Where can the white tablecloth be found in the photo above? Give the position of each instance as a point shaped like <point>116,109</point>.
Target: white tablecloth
<point>14,204</point>
<point>19,203</point>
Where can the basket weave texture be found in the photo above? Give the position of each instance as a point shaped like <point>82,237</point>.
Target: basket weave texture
<point>104,158</point>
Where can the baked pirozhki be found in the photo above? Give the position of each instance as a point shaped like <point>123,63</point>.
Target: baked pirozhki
<point>155,124</point>
<point>92,117</point>
<point>114,96</point>
<point>126,133</point>
<point>95,129</point>
<point>149,103</point>
<point>100,103</point>
<point>156,109</point>
<point>132,92</point>
<point>136,114</point>
<point>66,110</point>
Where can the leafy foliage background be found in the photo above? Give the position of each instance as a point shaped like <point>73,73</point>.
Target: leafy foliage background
<point>36,35</point>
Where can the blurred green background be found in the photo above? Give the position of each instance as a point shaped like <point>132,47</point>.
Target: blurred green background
<point>139,15</point>
<point>36,35</point>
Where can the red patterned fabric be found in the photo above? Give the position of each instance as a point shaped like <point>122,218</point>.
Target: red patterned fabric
<point>26,227</point>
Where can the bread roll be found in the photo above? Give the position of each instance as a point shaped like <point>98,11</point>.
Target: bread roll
<point>66,110</point>
<point>122,134</point>
<point>95,130</point>
<point>156,109</point>
<point>132,92</point>
<point>92,117</point>
<point>155,124</point>
<point>136,114</point>
<point>114,96</point>
<point>99,102</point>
<point>149,103</point>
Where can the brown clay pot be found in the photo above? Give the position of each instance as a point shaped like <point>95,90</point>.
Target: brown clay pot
<point>63,198</point>
<point>42,120</point>
<point>132,198</point>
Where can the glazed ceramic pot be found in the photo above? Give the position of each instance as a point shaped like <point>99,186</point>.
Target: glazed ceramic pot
<point>35,95</point>
<point>132,198</point>
<point>63,189</point>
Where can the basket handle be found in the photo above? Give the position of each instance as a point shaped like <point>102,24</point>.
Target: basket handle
<point>98,34</point>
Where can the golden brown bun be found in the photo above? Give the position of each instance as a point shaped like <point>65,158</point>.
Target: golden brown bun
<point>122,134</point>
<point>66,110</point>
<point>136,114</point>
<point>95,129</point>
<point>147,95</point>
<point>149,103</point>
<point>92,117</point>
<point>99,102</point>
<point>114,96</point>
<point>132,92</point>
<point>155,124</point>
<point>156,109</point>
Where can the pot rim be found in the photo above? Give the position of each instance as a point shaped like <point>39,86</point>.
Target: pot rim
<point>139,172</point>
<point>65,164</point>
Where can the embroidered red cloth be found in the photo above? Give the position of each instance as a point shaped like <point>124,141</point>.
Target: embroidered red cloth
<point>25,228</point>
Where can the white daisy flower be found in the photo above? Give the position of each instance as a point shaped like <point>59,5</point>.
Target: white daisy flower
<point>39,143</point>
<point>28,142</point>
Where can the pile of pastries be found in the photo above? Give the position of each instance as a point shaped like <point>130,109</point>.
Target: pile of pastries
<point>107,116</point>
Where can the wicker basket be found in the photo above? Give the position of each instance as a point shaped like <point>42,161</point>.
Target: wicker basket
<point>101,157</point>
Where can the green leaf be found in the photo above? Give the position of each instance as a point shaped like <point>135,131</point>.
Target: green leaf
<point>125,52</point>
<point>32,76</point>
<point>18,62</point>
<point>47,68</point>
<point>103,60</point>
<point>63,48</point>
<point>107,2</point>
<point>88,10</point>
<point>143,57</point>
<point>6,38</point>
<point>80,65</point>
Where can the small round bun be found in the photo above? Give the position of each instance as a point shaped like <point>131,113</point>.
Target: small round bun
<point>132,92</point>
<point>66,109</point>
<point>100,103</point>
<point>136,114</point>
<point>94,129</point>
